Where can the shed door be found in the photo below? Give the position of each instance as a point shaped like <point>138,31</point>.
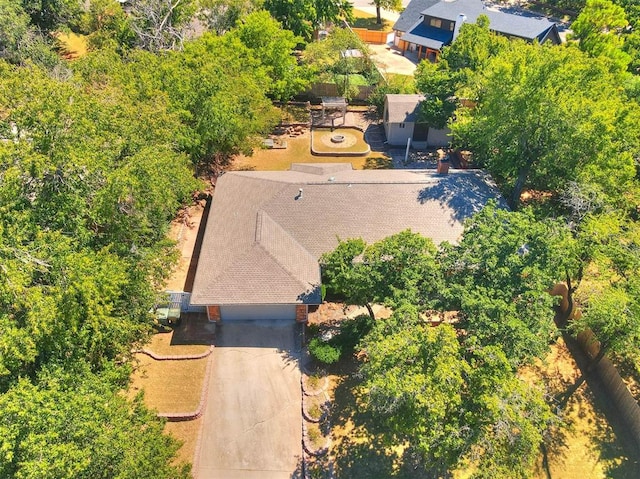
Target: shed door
<point>244,312</point>
<point>420,132</point>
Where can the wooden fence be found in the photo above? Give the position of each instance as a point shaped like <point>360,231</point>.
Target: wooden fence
<point>615,388</point>
<point>331,89</point>
<point>372,36</point>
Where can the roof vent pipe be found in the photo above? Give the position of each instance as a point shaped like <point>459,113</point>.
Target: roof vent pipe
<point>299,194</point>
<point>459,21</point>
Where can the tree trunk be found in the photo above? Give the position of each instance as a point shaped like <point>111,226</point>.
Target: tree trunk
<point>514,201</point>
<point>370,309</point>
<point>378,17</point>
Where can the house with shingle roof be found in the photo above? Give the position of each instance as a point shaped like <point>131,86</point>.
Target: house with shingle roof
<point>401,123</point>
<point>425,27</point>
<point>266,230</point>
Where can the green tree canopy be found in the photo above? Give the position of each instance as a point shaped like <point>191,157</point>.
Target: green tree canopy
<point>273,47</point>
<point>73,426</point>
<point>395,5</point>
<point>609,295</point>
<point>598,29</point>
<point>219,87</point>
<point>450,406</point>
<point>303,17</point>
<point>48,15</point>
<point>547,116</point>
<point>499,276</point>
<point>396,270</point>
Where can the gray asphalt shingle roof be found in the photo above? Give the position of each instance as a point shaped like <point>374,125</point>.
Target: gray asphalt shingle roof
<point>509,21</point>
<point>262,241</point>
<point>505,20</point>
<point>411,14</point>
<point>402,108</point>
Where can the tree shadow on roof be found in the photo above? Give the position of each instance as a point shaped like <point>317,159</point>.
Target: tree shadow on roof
<point>463,194</point>
<point>313,295</point>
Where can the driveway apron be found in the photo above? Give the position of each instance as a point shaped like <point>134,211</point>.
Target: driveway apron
<point>252,421</point>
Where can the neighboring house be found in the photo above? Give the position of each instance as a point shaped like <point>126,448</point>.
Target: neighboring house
<point>400,120</point>
<point>426,30</point>
<point>266,230</point>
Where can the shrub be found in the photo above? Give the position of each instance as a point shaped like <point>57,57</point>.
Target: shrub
<point>352,331</point>
<point>325,352</point>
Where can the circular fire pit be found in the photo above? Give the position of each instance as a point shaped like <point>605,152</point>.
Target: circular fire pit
<point>337,138</point>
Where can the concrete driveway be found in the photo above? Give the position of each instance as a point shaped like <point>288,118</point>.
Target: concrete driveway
<point>252,421</point>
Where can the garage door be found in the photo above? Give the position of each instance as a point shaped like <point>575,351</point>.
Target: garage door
<point>243,312</point>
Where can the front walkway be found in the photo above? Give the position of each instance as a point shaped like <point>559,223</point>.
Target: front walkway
<point>252,421</point>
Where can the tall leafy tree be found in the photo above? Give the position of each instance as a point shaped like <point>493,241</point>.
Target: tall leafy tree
<point>87,195</point>
<point>609,300</point>
<point>450,406</point>
<point>395,5</point>
<point>599,31</point>
<point>219,87</point>
<point>14,25</point>
<point>273,47</point>
<point>439,85</point>
<point>396,270</point>
<point>303,17</point>
<point>499,276</point>
<point>547,116</point>
<point>71,426</point>
<point>51,14</point>
<point>108,26</point>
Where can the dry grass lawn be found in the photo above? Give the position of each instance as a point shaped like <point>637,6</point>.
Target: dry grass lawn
<point>161,344</point>
<point>584,446</point>
<point>298,150</point>
<point>362,19</point>
<point>169,386</point>
<point>187,433</point>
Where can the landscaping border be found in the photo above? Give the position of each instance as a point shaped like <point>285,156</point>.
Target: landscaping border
<point>190,416</point>
<point>336,153</point>
<point>174,357</point>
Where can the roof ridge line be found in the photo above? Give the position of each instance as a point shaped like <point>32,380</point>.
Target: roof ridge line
<point>284,268</point>
<point>262,214</point>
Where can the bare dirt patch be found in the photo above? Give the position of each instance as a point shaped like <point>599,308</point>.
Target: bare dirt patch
<point>184,231</point>
<point>298,150</point>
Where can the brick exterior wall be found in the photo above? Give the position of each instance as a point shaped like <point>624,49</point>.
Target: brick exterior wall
<point>301,313</point>
<point>213,313</point>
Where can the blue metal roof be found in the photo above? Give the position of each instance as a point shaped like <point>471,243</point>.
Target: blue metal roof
<point>428,36</point>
